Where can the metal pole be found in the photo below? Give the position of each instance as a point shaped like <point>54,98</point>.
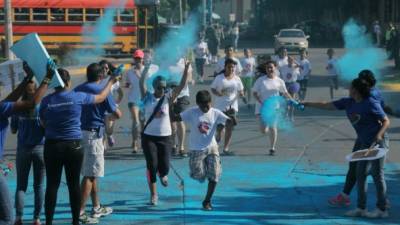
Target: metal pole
<point>204,13</point>
<point>180,13</point>
<point>8,30</point>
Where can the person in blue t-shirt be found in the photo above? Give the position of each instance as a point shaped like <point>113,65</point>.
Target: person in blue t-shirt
<point>60,113</point>
<point>93,125</point>
<point>29,153</point>
<point>9,106</point>
<point>370,123</point>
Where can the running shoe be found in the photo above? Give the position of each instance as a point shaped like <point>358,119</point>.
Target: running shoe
<point>339,200</point>
<point>102,211</point>
<point>207,206</point>
<point>183,154</point>
<point>272,152</point>
<point>85,219</point>
<point>110,141</point>
<point>227,152</point>
<point>164,181</point>
<point>377,213</point>
<point>356,213</point>
<point>154,200</point>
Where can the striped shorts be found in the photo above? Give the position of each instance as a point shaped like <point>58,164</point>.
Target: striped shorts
<point>205,164</point>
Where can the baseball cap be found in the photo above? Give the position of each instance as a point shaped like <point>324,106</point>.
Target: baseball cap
<point>138,54</point>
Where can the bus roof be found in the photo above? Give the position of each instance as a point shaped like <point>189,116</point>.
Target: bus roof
<point>68,3</point>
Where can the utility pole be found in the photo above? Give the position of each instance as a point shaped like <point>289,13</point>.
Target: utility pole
<point>204,11</point>
<point>8,30</point>
<point>180,13</point>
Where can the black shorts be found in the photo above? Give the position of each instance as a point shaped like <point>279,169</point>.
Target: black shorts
<point>231,113</point>
<point>179,106</point>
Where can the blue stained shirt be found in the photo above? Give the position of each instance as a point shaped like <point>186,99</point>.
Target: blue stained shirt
<point>61,114</point>
<point>30,130</point>
<point>365,116</point>
<point>6,110</point>
<point>93,115</point>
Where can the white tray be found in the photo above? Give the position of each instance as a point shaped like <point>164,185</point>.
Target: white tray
<point>379,154</point>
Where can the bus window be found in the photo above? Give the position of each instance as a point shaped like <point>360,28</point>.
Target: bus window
<point>39,14</point>
<point>92,14</point>
<point>21,14</point>
<point>75,15</point>
<point>57,15</point>
<point>126,16</point>
<point>2,14</point>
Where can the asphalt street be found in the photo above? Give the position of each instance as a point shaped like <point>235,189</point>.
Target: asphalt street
<point>289,188</point>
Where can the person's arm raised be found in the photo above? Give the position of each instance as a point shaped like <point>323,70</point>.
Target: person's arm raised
<point>182,84</point>
<point>17,92</point>
<point>104,93</point>
<point>142,81</point>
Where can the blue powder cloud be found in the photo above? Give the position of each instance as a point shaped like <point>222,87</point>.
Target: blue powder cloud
<point>273,111</point>
<point>360,52</point>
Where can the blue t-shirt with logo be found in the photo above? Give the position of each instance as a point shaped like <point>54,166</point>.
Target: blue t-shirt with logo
<point>61,114</point>
<point>30,130</point>
<point>93,115</point>
<point>6,110</point>
<point>365,116</point>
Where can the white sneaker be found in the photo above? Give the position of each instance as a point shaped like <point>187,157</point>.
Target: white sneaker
<point>154,200</point>
<point>164,181</point>
<point>102,211</point>
<point>85,219</point>
<point>377,213</point>
<point>356,213</point>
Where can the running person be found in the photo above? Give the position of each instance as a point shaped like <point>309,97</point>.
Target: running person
<point>265,87</point>
<point>118,94</point>
<point>305,71</point>
<point>249,64</point>
<point>229,54</point>
<point>331,68</point>
<point>156,134</point>
<point>60,114</point>
<point>204,162</point>
<point>29,154</point>
<point>370,123</point>
<point>201,54</point>
<point>134,96</point>
<point>93,125</point>
<point>227,87</point>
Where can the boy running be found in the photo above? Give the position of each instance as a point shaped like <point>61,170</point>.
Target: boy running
<point>204,159</point>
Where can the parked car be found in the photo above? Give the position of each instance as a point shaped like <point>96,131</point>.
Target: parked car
<point>321,33</point>
<point>291,39</point>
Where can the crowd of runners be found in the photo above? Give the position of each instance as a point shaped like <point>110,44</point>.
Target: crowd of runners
<point>71,127</point>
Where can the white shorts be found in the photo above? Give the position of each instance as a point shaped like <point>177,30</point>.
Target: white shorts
<point>93,157</point>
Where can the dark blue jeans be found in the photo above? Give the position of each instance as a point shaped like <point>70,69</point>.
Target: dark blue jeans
<point>26,158</point>
<point>5,203</point>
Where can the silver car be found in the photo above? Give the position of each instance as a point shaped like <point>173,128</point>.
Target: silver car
<point>291,39</point>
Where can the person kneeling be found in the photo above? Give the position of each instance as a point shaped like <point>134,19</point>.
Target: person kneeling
<point>204,159</point>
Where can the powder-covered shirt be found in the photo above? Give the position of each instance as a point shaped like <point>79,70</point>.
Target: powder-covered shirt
<point>266,87</point>
<point>230,89</point>
<point>161,124</point>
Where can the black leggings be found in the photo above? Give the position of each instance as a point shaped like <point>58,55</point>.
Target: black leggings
<point>59,154</point>
<point>157,151</point>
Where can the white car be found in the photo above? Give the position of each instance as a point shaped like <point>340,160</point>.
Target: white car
<point>291,39</point>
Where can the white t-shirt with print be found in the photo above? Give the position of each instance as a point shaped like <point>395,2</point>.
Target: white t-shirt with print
<point>230,89</point>
<point>305,69</point>
<point>266,87</point>
<point>249,65</point>
<point>221,65</point>
<point>161,124</point>
<point>201,50</point>
<point>202,126</point>
<point>331,67</point>
<point>289,74</point>
<point>133,79</point>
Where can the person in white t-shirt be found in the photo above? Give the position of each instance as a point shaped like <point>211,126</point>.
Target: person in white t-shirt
<point>204,162</point>
<point>249,64</point>
<point>201,53</point>
<point>227,87</point>
<point>181,104</point>
<point>331,68</point>
<point>228,55</point>
<point>156,134</point>
<point>305,71</point>
<point>134,97</point>
<point>118,94</point>
<point>289,74</point>
<point>264,88</point>
<point>281,60</point>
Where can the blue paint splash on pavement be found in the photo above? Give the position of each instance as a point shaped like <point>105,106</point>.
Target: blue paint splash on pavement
<point>360,54</point>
